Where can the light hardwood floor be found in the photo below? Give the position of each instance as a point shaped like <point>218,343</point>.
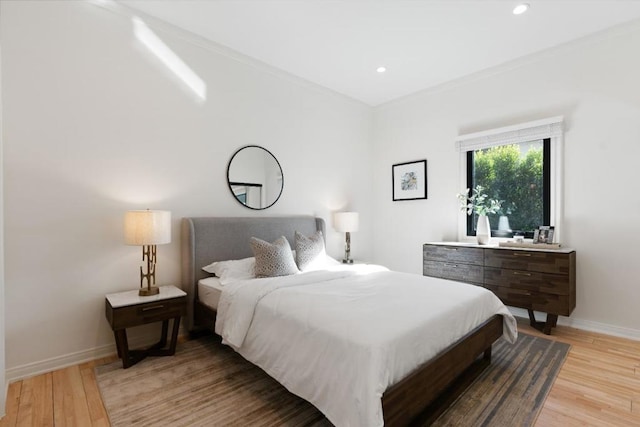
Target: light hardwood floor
<point>599,385</point>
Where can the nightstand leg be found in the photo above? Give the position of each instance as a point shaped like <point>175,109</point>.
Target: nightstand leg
<point>163,336</point>
<point>123,347</point>
<point>174,335</point>
<point>118,344</point>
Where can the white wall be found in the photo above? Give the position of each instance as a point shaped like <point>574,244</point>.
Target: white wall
<point>594,85</point>
<point>94,125</point>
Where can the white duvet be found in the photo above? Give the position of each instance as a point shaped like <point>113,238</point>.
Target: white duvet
<point>339,339</point>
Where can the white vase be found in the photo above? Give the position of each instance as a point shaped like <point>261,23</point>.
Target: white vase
<point>503,223</point>
<point>483,230</point>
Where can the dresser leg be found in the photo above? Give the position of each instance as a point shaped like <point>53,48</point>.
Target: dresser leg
<point>552,319</point>
<point>544,327</point>
<point>532,318</point>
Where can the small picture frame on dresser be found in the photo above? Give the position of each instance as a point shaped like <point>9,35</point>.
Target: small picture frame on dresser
<point>544,234</point>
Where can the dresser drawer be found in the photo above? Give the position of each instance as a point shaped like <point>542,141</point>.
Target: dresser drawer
<point>453,254</point>
<point>544,262</point>
<point>454,271</point>
<point>557,284</point>
<point>548,303</point>
<point>141,314</point>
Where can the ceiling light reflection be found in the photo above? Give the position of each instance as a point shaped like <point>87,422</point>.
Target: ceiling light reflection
<point>520,9</point>
<point>152,42</point>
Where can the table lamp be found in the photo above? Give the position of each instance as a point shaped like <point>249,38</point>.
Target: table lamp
<point>346,222</point>
<point>147,228</point>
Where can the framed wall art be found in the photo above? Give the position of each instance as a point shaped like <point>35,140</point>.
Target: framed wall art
<point>409,180</point>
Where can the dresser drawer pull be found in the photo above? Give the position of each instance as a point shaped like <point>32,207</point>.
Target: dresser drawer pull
<point>450,249</point>
<point>451,265</point>
<point>155,307</point>
<point>521,273</point>
<point>521,254</point>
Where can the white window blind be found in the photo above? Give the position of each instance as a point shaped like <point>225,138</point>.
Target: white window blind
<point>524,132</point>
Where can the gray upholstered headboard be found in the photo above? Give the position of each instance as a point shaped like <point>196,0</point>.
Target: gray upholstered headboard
<point>209,239</point>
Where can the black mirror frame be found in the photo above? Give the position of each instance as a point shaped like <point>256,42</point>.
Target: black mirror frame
<point>229,183</point>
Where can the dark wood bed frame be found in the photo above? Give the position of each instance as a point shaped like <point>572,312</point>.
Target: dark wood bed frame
<point>420,397</point>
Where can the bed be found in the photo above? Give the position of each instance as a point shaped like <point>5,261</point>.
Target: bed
<point>419,393</point>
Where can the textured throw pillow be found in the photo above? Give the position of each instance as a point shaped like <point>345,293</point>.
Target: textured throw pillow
<point>309,249</point>
<point>273,259</point>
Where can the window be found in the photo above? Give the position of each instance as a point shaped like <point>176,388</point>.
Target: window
<point>520,167</point>
<point>518,176</point>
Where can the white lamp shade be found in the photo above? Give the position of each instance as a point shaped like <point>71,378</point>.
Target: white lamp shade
<point>147,227</point>
<point>346,221</point>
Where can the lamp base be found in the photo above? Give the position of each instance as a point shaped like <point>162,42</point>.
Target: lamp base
<point>151,290</point>
<point>347,261</point>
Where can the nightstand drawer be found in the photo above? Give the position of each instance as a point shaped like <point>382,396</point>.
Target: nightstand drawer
<point>453,254</point>
<point>454,271</point>
<point>548,303</point>
<point>528,280</point>
<point>139,314</point>
<point>544,262</point>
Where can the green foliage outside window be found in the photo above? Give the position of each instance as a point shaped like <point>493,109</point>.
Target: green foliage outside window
<point>514,178</point>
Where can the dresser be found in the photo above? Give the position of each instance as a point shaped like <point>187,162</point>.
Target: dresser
<point>542,280</point>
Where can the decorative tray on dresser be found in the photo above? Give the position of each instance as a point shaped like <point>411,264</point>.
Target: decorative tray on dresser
<point>535,279</point>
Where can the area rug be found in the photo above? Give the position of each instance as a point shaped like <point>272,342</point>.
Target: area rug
<point>208,384</point>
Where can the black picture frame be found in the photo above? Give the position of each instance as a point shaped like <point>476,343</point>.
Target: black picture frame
<point>409,180</point>
<point>544,234</point>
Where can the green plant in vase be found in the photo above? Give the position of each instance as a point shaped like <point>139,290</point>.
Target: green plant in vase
<point>480,203</point>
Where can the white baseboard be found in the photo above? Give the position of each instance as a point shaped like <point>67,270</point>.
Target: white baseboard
<point>36,368</point>
<point>585,325</point>
<point>41,367</point>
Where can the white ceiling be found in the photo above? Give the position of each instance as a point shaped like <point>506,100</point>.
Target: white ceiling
<point>339,44</point>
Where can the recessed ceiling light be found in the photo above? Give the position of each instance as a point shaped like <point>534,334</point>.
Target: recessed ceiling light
<point>381,69</point>
<point>520,9</point>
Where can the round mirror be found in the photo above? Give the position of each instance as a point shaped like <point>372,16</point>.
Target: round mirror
<point>255,177</point>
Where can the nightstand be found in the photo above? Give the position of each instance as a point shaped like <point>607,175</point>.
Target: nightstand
<point>128,309</point>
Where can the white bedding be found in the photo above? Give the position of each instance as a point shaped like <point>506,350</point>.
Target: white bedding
<point>209,291</point>
<point>339,339</point>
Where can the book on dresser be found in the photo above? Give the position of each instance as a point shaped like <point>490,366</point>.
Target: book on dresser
<point>536,279</point>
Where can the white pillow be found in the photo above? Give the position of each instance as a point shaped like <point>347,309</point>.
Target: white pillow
<point>232,270</point>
